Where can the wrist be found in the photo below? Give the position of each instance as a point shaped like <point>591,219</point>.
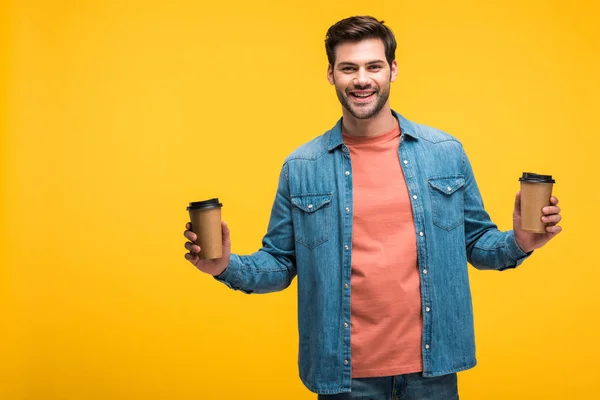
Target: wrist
<point>524,248</point>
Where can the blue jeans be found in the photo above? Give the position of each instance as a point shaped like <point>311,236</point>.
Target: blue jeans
<point>401,387</point>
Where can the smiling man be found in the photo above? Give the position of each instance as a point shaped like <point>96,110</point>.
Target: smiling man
<point>378,218</point>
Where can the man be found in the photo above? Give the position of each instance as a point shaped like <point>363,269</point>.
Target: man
<point>378,218</point>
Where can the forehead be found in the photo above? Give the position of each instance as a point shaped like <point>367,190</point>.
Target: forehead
<point>360,52</point>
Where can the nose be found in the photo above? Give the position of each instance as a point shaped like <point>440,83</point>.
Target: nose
<point>361,78</point>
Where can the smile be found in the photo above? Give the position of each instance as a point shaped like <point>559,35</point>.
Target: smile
<point>362,96</point>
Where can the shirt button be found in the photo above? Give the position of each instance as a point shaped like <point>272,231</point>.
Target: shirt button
<point>425,271</point>
<point>427,346</point>
<point>427,309</point>
<point>421,234</point>
<point>347,173</point>
<point>346,247</point>
<point>345,286</point>
<point>449,189</point>
<point>405,162</point>
<point>345,324</point>
<point>347,209</point>
<point>415,196</point>
<point>345,362</point>
<point>310,206</point>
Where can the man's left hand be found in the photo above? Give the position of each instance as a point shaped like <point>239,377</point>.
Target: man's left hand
<point>529,241</point>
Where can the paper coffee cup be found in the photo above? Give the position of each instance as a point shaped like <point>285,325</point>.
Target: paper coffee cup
<point>536,191</point>
<point>205,217</point>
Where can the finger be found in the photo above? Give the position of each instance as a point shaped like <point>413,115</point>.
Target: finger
<point>191,258</point>
<point>551,210</point>
<point>194,248</point>
<point>191,236</point>
<point>554,200</point>
<point>188,226</point>
<point>554,229</point>
<point>552,219</point>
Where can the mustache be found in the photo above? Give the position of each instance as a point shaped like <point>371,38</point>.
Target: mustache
<point>363,87</point>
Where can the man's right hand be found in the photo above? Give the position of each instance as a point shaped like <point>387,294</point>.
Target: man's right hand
<point>216,266</point>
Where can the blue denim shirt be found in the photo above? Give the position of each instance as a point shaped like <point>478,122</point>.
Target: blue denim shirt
<point>310,236</point>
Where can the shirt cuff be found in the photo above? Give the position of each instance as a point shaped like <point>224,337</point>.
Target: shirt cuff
<point>514,253</point>
<point>232,275</point>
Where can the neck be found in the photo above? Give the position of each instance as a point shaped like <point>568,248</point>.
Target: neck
<point>384,121</point>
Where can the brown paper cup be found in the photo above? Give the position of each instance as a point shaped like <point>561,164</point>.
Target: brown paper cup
<point>536,191</point>
<point>205,217</point>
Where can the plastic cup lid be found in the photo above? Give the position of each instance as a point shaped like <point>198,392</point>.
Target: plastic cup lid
<point>536,178</point>
<point>212,203</point>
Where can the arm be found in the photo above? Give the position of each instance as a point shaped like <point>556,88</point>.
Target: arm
<point>273,267</point>
<point>487,247</point>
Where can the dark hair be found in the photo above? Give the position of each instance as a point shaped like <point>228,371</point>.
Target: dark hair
<point>357,28</point>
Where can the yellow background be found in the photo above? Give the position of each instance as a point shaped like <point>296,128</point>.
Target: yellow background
<point>116,114</point>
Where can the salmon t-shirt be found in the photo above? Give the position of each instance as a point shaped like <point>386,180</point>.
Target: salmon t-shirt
<point>386,319</point>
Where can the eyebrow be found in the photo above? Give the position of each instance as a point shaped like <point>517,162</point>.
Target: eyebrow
<point>351,64</point>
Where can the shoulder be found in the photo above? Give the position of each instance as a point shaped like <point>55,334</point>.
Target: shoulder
<point>311,150</point>
<point>428,134</point>
<point>435,135</point>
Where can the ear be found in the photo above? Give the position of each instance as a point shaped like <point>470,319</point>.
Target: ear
<point>330,74</point>
<point>394,72</point>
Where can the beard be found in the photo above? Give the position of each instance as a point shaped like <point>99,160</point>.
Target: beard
<point>364,111</point>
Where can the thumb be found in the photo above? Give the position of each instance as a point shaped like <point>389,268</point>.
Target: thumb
<point>226,239</point>
<point>517,211</point>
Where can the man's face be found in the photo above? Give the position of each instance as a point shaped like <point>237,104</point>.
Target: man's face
<point>362,77</point>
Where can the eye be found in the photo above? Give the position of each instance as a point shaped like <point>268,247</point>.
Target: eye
<point>348,69</point>
<point>375,67</point>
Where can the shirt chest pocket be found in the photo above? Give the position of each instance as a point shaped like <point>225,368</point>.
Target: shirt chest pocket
<point>312,218</point>
<point>447,201</point>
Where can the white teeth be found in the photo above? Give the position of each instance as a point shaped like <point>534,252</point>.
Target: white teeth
<point>361,95</point>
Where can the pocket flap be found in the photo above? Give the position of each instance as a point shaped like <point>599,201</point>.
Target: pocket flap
<point>311,202</point>
<point>447,184</point>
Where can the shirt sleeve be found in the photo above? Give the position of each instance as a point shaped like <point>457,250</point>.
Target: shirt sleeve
<point>273,267</point>
<point>487,247</point>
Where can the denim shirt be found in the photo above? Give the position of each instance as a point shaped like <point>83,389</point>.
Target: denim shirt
<point>310,236</point>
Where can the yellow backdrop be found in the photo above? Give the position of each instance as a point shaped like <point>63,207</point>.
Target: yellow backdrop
<point>116,114</point>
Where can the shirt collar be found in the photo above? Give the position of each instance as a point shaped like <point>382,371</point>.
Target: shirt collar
<point>336,140</point>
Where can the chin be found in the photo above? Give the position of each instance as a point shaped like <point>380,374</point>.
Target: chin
<point>361,113</point>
